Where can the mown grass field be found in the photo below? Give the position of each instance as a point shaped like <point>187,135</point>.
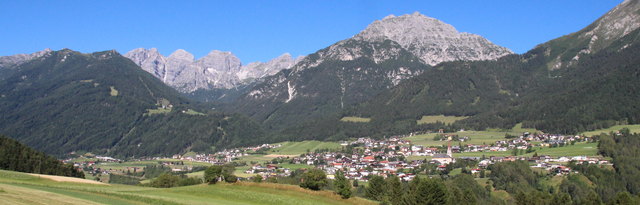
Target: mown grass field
<point>140,165</point>
<point>440,118</point>
<point>632,128</point>
<point>288,149</point>
<point>355,119</point>
<point>297,148</point>
<point>21,188</point>
<point>158,111</point>
<point>579,149</point>
<point>477,137</point>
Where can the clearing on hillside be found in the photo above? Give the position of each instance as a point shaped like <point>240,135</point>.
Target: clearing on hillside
<point>439,118</point>
<point>355,119</point>
<point>113,92</point>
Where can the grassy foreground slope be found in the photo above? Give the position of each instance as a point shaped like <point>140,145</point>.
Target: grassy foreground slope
<point>21,188</point>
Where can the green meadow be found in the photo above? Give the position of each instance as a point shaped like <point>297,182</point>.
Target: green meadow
<point>440,118</point>
<point>632,128</point>
<point>297,148</point>
<point>477,137</point>
<point>21,188</point>
<point>579,149</point>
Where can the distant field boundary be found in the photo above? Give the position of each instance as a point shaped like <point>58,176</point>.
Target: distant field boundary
<point>68,179</point>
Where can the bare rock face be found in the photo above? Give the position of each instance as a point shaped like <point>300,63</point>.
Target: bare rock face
<point>15,60</point>
<point>150,60</point>
<point>432,40</point>
<point>217,69</point>
<point>257,70</point>
<point>615,24</point>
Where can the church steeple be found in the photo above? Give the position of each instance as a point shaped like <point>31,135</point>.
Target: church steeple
<point>449,152</point>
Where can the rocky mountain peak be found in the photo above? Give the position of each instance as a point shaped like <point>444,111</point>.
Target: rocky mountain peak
<point>149,60</point>
<point>257,70</point>
<point>431,40</point>
<point>220,61</point>
<point>15,60</point>
<point>182,55</point>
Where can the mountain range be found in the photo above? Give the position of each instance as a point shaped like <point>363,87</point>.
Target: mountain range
<point>216,70</point>
<point>582,81</point>
<point>395,71</point>
<point>353,70</point>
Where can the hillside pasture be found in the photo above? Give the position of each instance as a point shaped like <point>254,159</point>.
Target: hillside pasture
<point>439,118</point>
<point>632,128</point>
<point>355,119</point>
<point>477,137</point>
<point>579,149</point>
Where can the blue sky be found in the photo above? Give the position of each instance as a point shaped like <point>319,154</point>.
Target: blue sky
<point>262,30</point>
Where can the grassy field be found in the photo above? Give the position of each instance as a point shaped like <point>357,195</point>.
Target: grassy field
<point>297,148</point>
<point>632,128</point>
<point>288,149</point>
<point>477,137</point>
<point>355,119</point>
<point>20,188</point>
<point>141,164</point>
<point>579,149</point>
<point>439,118</point>
<point>158,111</point>
<point>193,112</point>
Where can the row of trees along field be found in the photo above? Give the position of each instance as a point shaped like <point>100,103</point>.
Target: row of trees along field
<point>17,157</point>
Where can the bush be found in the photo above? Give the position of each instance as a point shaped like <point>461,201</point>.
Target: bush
<point>165,180</point>
<point>257,178</point>
<point>230,178</point>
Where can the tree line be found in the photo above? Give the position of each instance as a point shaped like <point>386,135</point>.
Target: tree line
<point>18,157</point>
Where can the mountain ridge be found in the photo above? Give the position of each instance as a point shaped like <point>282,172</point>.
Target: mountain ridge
<point>104,103</point>
<point>353,69</point>
<point>217,70</point>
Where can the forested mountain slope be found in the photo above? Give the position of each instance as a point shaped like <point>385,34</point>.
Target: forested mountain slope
<point>102,102</point>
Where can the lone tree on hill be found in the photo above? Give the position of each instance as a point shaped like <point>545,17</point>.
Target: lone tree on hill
<point>314,179</point>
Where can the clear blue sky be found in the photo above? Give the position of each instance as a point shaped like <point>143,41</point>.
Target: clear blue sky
<point>261,30</point>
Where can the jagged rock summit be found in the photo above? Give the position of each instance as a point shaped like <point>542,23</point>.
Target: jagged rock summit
<point>15,60</point>
<point>432,40</point>
<point>218,69</point>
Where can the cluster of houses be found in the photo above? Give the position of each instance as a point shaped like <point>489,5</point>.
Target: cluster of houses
<point>227,155</point>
